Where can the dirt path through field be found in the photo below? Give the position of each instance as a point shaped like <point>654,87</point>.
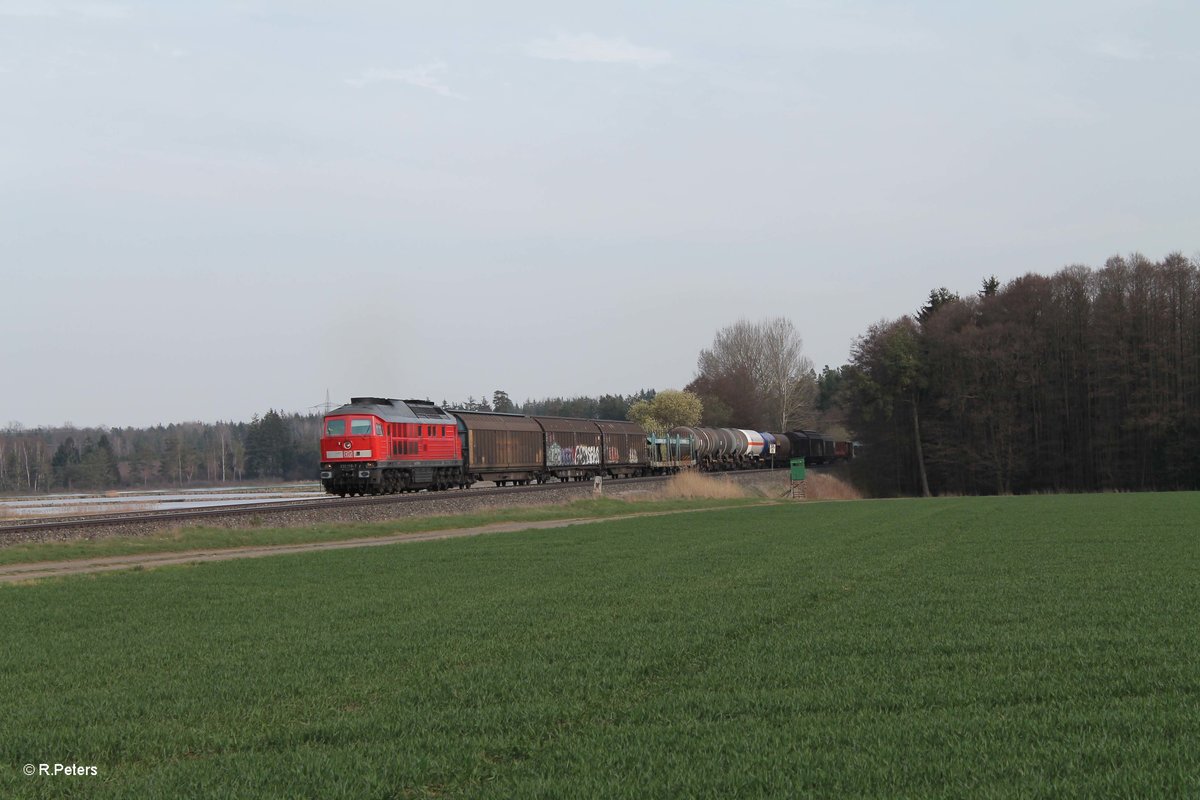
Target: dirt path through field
<point>13,573</point>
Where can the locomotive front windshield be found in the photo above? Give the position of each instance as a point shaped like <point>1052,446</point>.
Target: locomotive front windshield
<point>358,427</point>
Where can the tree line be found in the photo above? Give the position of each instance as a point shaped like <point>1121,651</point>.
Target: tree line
<point>606,406</point>
<point>271,446</point>
<point>1086,380</point>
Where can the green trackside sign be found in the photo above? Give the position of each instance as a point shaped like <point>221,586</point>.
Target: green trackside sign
<point>797,469</point>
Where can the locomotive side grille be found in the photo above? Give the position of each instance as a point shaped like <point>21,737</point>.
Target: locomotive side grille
<point>425,410</point>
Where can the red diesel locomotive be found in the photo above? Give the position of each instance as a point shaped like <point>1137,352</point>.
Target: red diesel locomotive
<point>376,445</point>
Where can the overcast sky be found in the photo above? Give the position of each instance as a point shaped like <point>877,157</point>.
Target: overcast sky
<point>209,209</point>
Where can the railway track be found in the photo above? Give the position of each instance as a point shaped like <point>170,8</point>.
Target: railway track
<point>324,510</point>
<point>22,529</point>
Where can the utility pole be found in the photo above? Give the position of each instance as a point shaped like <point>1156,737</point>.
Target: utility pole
<point>327,405</point>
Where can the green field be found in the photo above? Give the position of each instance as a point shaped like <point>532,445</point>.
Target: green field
<point>1023,647</point>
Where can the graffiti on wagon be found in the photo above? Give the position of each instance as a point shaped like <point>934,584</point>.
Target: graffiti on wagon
<point>571,455</point>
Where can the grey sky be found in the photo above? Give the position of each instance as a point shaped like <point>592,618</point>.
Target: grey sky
<point>211,209</point>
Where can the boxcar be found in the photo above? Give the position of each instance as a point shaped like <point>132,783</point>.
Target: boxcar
<point>624,448</point>
<point>800,445</point>
<point>572,447</point>
<point>823,446</point>
<point>501,447</point>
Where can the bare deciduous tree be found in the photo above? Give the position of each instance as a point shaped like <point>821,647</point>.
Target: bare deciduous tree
<point>759,372</point>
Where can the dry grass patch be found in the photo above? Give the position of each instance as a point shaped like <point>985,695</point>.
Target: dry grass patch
<point>92,509</point>
<point>692,485</point>
<point>821,486</point>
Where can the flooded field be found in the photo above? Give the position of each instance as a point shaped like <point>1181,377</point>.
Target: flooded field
<point>57,505</point>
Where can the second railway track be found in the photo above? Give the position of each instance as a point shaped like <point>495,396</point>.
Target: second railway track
<point>310,511</point>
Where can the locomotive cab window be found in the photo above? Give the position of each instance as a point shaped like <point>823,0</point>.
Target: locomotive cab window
<point>360,427</point>
<point>335,427</point>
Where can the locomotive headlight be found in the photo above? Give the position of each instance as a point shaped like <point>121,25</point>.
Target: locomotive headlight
<point>370,463</point>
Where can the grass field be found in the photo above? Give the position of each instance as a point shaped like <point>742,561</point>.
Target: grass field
<point>1024,647</point>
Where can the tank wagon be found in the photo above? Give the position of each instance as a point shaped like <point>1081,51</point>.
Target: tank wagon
<point>734,448</point>
<point>376,445</point>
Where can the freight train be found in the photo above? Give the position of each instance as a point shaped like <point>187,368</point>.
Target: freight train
<point>377,445</point>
